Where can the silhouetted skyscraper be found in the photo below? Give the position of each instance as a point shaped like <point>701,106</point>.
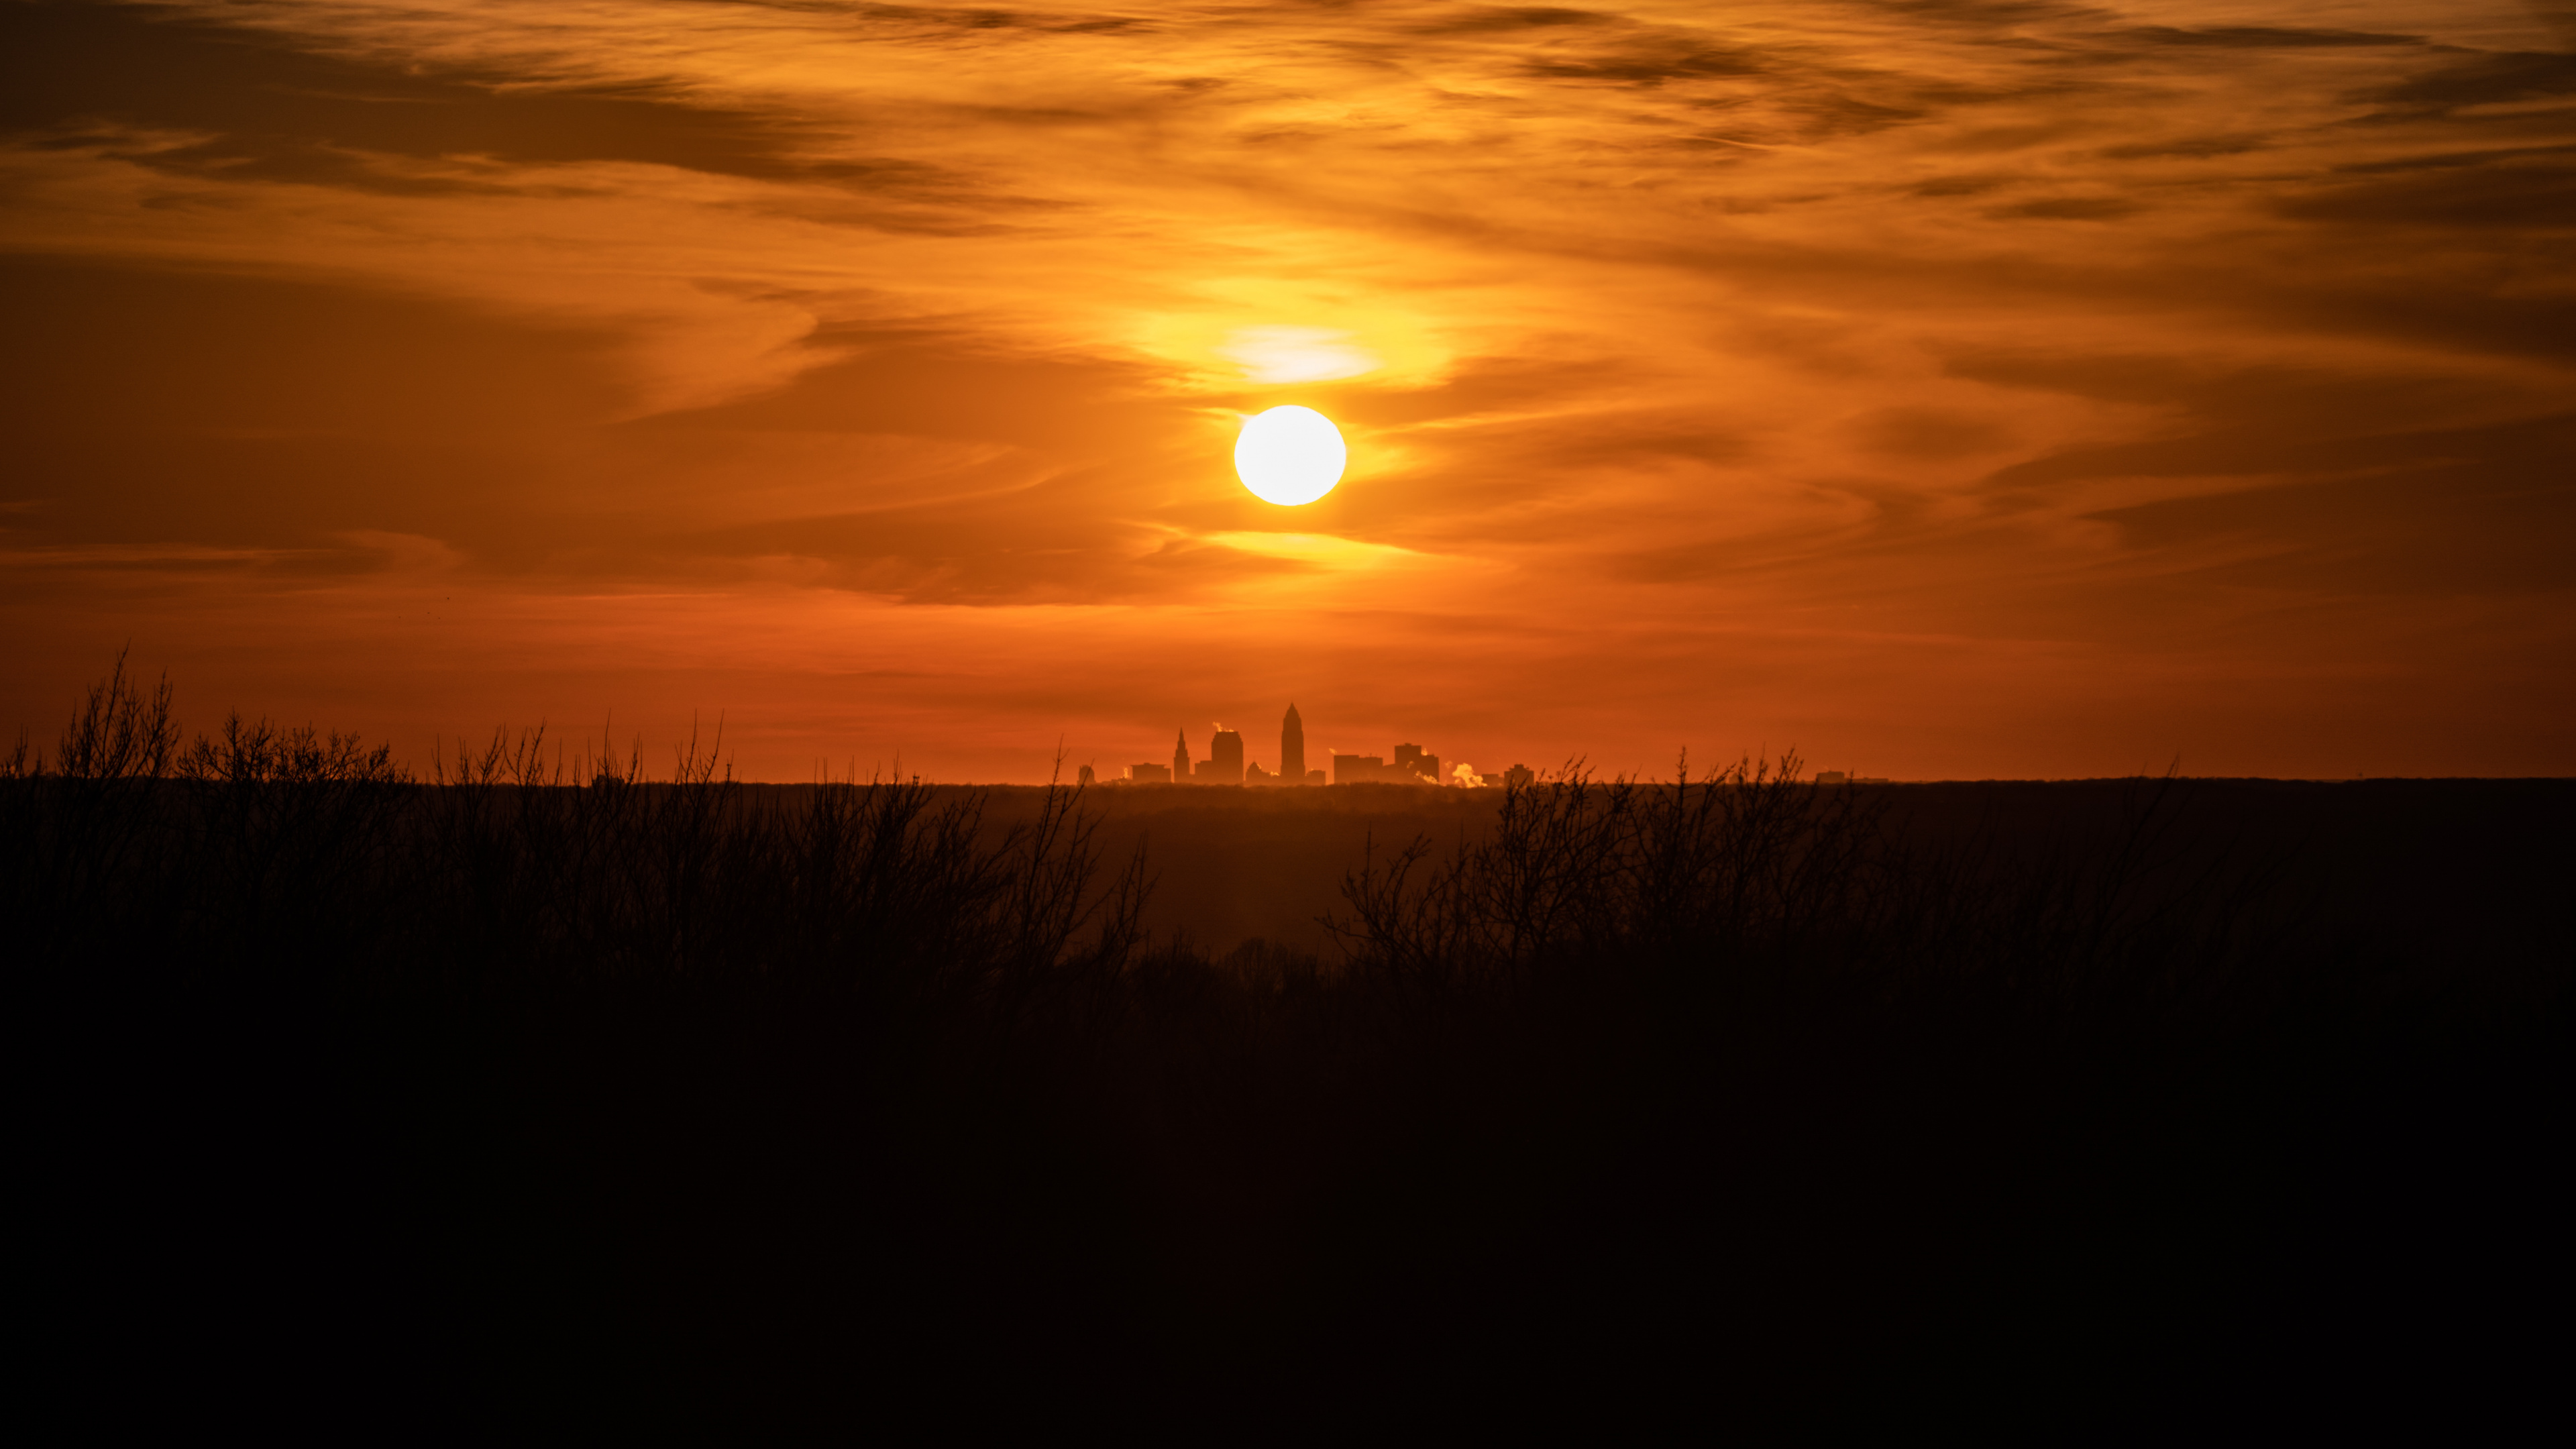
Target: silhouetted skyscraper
<point>1181,756</point>
<point>1292,748</point>
<point>1225,759</point>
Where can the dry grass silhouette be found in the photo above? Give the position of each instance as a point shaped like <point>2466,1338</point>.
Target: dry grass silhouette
<point>607,1071</point>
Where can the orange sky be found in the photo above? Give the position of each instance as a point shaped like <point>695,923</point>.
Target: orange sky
<point>1943,389</point>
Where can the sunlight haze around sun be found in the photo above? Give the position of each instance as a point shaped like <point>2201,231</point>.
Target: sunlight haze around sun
<point>1947,390</point>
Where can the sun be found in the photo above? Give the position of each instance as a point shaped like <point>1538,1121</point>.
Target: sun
<point>1290,455</point>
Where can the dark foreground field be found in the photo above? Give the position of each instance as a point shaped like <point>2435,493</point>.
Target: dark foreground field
<point>490,1100</point>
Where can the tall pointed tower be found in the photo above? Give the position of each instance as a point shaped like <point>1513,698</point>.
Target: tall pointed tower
<point>1181,758</point>
<point>1292,749</point>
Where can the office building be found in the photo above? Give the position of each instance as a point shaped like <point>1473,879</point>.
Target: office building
<point>1150,774</point>
<point>1224,764</point>
<point>1181,756</point>
<point>1292,748</point>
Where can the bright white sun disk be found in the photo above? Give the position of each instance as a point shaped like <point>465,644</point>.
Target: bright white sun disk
<point>1290,455</point>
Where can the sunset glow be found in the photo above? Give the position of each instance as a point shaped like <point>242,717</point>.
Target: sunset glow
<point>1949,391</point>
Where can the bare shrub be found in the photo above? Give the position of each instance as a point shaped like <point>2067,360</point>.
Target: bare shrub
<point>1753,874</point>
<point>1623,874</point>
<point>264,848</point>
<point>294,845</point>
<point>118,733</point>
<point>81,837</point>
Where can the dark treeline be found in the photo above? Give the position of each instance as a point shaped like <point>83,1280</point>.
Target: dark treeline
<point>538,1084</point>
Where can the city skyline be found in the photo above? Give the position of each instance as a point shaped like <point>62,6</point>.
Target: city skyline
<point>1226,764</point>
